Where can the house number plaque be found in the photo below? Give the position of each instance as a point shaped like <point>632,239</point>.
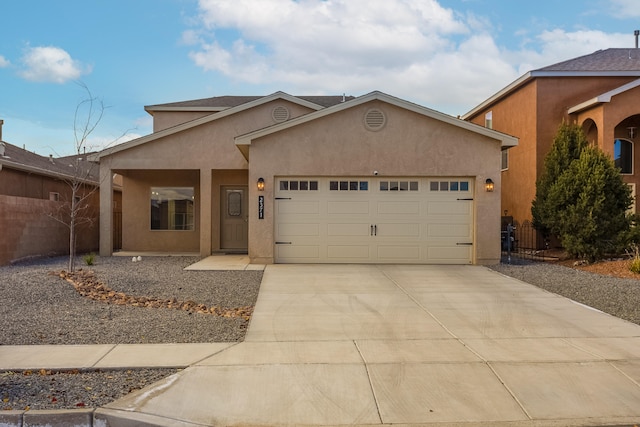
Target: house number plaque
<point>260,207</point>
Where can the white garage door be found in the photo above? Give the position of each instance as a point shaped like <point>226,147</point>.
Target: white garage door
<point>374,220</point>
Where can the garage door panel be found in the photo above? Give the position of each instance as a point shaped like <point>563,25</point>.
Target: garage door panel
<point>298,207</point>
<point>398,208</point>
<point>348,230</point>
<point>298,252</point>
<point>449,254</point>
<point>291,230</point>
<point>348,208</point>
<point>399,252</point>
<point>348,252</point>
<point>449,230</point>
<point>459,207</point>
<point>398,230</point>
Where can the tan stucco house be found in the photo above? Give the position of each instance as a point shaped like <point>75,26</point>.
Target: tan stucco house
<point>598,91</point>
<point>286,179</point>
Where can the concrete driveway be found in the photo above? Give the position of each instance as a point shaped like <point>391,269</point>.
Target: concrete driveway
<point>366,344</point>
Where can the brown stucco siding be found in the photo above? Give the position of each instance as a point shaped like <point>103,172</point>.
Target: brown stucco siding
<point>516,115</point>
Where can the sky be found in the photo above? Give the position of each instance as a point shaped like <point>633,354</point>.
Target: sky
<point>448,55</point>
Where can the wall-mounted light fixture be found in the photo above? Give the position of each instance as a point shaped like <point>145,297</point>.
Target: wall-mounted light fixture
<point>260,184</point>
<point>632,132</point>
<point>488,185</point>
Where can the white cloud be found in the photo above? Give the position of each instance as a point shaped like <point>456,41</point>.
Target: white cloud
<point>625,8</point>
<point>4,62</point>
<point>414,49</point>
<point>557,45</point>
<point>51,64</point>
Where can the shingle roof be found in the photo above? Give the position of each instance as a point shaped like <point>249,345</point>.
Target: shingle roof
<point>601,60</point>
<point>61,167</point>
<point>224,102</point>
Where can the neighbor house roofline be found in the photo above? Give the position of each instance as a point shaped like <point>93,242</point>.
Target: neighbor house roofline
<point>29,161</point>
<point>531,75</point>
<point>244,141</point>
<point>605,97</point>
<point>202,120</point>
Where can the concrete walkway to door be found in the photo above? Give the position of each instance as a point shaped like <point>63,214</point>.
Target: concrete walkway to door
<point>372,345</point>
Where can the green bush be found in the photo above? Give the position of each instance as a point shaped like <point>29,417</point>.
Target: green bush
<point>581,197</point>
<point>89,259</point>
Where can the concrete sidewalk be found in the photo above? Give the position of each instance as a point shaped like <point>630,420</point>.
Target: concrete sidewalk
<point>371,345</point>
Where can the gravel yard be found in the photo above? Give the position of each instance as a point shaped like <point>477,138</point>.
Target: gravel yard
<point>39,308</point>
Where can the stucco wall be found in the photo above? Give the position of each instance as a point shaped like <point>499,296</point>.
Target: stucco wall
<point>27,231</point>
<point>136,212</point>
<point>166,119</point>
<point>410,144</point>
<point>179,158</point>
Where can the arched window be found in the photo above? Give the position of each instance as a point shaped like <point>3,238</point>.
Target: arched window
<point>623,155</point>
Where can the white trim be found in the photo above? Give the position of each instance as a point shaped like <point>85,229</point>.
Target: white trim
<point>244,141</point>
<point>200,121</point>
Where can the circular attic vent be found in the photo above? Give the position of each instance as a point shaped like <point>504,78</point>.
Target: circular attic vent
<point>374,119</point>
<point>280,114</point>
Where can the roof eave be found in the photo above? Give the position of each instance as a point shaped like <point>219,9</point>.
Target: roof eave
<point>535,74</point>
<point>244,141</point>
<point>202,120</point>
<point>499,95</point>
<point>43,172</point>
<point>151,109</point>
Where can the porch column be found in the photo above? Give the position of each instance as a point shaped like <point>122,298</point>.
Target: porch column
<point>106,209</point>
<point>205,212</point>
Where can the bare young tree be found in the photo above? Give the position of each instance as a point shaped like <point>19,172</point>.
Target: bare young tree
<point>82,180</point>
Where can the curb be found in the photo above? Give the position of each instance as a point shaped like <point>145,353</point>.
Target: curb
<point>49,418</point>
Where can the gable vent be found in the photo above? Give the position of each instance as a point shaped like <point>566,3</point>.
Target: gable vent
<point>374,119</point>
<point>280,114</point>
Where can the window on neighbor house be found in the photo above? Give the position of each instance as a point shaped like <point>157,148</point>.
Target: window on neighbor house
<point>504,164</point>
<point>172,208</point>
<point>488,120</point>
<point>623,155</point>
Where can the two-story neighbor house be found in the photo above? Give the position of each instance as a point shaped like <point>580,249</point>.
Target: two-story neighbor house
<point>298,179</point>
<point>598,91</point>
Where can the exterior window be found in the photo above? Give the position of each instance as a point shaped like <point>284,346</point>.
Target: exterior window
<point>349,185</point>
<point>623,155</point>
<point>449,186</point>
<point>54,197</point>
<point>172,208</point>
<point>504,165</point>
<point>488,120</point>
<point>398,185</point>
<point>296,185</point>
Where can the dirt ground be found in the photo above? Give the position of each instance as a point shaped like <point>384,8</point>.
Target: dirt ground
<point>616,268</point>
